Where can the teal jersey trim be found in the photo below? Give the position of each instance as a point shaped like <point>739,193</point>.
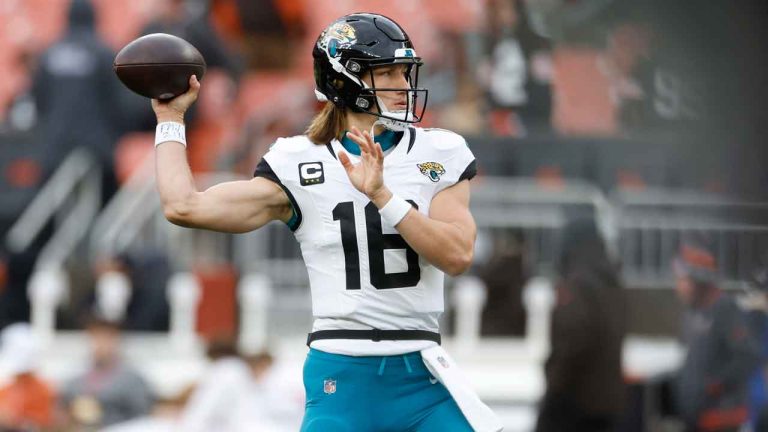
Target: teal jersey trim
<point>386,140</point>
<point>293,222</point>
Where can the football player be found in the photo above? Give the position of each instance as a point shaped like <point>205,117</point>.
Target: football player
<point>380,208</point>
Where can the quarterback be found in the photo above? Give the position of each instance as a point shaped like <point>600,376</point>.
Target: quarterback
<point>380,208</point>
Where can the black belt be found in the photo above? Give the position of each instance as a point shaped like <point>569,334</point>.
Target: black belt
<point>375,335</point>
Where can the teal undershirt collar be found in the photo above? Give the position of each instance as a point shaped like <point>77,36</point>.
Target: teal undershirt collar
<point>386,140</point>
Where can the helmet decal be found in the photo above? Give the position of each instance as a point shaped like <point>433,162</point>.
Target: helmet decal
<point>405,52</point>
<point>338,36</point>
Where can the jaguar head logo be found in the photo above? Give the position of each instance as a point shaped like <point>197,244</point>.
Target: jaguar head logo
<point>432,170</point>
<point>336,37</point>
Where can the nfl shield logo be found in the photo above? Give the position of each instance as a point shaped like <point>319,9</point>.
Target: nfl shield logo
<point>329,386</point>
<point>443,362</point>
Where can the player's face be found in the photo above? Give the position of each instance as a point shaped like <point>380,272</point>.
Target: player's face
<point>391,77</point>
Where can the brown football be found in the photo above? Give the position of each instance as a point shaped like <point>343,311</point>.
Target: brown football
<point>159,65</point>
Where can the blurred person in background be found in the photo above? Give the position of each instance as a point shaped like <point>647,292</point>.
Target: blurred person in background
<point>27,402</point>
<point>755,302</point>
<point>109,391</point>
<point>213,403</point>
<point>585,386</point>
<point>239,394</point>
<point>77,96</point>
<point>270,28</point>
<point>504,276</point>
<point>722,352</point>
<point>518,72</point>
<point>272,401</point>
<point>148,271</point>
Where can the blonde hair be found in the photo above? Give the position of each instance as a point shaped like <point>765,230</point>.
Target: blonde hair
<point>328,124</point>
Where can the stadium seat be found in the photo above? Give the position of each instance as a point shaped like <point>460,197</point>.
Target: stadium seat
<point>582,103</point>
<point>217,310</point>
<point>121,21</point>
<point>130,152</point>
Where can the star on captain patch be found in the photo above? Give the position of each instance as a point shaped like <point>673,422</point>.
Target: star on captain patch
<point>329,386</point>
<point>432,170</point>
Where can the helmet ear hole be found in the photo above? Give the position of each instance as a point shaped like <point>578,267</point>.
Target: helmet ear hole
<point>338,84</point>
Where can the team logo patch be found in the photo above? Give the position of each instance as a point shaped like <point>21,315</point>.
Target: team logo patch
<point>329,386</point>
<point>311,173</point>
<point>432,170</point>
<point>443,362</point>
<point>338,36</point>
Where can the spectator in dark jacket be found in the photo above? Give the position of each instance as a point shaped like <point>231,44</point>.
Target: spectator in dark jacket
<point>76,95</point>
<point>722,353</point>
<point>504,276</point>
<point>585,388</point>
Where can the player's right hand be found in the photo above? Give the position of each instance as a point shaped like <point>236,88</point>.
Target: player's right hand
<point>174,109</point>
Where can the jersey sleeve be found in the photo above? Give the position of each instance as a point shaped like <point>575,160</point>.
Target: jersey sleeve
<point>460,163</point>
<point>270,167</point>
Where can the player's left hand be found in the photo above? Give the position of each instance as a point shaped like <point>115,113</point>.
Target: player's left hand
<point>367,175</point>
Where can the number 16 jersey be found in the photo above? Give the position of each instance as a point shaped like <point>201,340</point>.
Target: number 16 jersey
<point>362,273</point>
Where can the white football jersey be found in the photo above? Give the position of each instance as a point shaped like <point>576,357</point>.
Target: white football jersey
<point>362,273</point>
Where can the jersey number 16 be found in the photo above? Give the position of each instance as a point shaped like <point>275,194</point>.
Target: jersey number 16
<point>377,243</point>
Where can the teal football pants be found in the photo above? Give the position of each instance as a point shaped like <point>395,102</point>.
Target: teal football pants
<point>376,394</point>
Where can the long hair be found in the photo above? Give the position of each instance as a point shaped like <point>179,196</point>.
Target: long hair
<point>328,124</point>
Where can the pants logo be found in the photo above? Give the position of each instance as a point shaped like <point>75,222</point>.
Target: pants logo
<point>329,386</point>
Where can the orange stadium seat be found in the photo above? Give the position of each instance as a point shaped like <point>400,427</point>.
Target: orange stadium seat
<point>260,90</point>
<point>121,21</point>
<point>457,15</point>
<point>47,19</point>
<point>217,312</point>
<point>130,152</point>
<point>409,14</point>
<point>549,177</point>
<point>582,102</point>
<point>225,18</point>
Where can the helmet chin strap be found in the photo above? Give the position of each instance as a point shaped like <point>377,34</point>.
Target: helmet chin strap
<point>396,121</point>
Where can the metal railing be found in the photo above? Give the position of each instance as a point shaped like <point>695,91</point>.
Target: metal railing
<point>121,221</point>
<point>642,229</point>
<point>533,214</point>
<point>71,199</point>
<point>653,222</point>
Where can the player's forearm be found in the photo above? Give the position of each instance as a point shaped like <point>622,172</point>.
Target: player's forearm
<point>442,244</point>
<point>175,183</point>
<point>448,246</point>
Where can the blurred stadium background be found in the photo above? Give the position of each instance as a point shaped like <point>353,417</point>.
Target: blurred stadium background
<point>649,116</point>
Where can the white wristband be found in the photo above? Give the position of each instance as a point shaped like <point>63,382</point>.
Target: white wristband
<point>170,131</point>
<point>395,210</point>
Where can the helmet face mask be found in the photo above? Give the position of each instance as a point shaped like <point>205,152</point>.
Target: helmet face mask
<point>346,55</point>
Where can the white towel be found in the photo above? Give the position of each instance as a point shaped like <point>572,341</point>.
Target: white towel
<point>442,366</point>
